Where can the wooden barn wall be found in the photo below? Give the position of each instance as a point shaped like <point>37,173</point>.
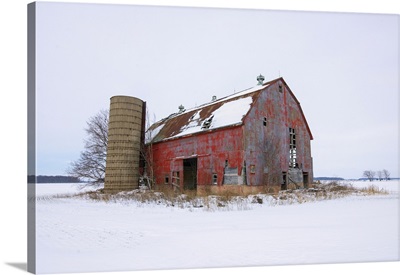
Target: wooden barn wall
<point>212,149</point>
<point>266,136</point>
<point>261,144</point>
<point>296,120</point>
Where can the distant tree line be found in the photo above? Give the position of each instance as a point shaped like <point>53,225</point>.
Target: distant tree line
<point>328,178</point>
<point>53,179</point>
<point>380,175</point>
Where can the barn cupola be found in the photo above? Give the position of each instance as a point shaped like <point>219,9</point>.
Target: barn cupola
<point>181,108</point>
<point>260,79</point>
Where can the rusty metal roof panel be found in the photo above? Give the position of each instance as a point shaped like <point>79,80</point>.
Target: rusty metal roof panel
<point>224,112</point>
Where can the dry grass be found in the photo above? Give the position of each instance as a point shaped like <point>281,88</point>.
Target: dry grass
<point>227,200</point>
<point>373,190</point>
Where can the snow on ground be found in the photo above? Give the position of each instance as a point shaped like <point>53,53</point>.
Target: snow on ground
<point>389,186</point>
<point>52,189</point>
<point>78,235</point>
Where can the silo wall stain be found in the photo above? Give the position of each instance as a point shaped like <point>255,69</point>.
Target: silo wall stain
<point>125,134</point>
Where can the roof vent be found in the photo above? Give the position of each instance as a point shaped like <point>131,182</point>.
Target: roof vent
<point>181,108</point>
<point>260,79</point>
<point>214,98</point>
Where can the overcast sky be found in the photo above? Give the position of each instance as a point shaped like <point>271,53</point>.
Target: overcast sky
<point>342,67</point>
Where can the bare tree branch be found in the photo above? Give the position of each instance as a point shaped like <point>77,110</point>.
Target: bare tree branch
<point>386,174</point>
<point>369,174</point>
<point>380,175</point>
<point>91,164</point>
<point>146,153</point>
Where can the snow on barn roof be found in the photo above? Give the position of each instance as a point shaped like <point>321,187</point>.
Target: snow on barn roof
<point>224,112</point>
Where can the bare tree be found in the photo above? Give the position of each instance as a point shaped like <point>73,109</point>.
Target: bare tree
<point>91,165</point>
<point>369,174</point>
<point>380,175</point>
<point>386,174</point>
<point>146,154</point>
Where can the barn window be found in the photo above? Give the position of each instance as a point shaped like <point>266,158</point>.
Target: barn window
<point>292,148</point>
<point>265,121</point>
<point>280,88</point>
<point>215,179</point>
<point>252,168</point>
<point>226,163</point>
<point>166,179</point>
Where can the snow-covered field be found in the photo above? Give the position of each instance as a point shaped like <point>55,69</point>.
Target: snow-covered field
<point>80,235</point>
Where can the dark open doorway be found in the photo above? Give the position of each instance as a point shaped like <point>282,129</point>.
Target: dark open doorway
<point>190,174</point>
<point>305,179</point>
<point>284,181</point>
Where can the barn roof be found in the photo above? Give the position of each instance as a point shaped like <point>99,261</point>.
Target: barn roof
<point>228,111</point>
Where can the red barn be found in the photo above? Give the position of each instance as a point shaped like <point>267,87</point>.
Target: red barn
<point>257,139</point>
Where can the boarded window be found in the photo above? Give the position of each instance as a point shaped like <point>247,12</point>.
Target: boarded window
<point>231,175</point>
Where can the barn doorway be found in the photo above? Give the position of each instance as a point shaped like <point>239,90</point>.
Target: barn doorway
<point>305,179</point>
<point>190,174</point>
<point>284,181</point>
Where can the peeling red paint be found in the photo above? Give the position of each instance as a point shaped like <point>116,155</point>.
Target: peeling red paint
<point>256,149</point>
<point>211,149</point>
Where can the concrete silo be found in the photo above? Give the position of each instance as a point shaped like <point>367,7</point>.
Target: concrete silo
<point>125,138</point>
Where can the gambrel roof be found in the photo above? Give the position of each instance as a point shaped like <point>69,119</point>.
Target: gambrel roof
<point>228,111</point>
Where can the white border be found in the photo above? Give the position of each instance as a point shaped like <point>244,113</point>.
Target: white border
<point>13,135</point>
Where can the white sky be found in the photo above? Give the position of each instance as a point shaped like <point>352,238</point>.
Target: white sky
<point>343,68</point>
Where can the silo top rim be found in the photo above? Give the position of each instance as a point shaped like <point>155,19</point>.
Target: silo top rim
<point>124,98</point>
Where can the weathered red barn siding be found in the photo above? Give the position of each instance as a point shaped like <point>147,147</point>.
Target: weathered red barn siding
<point>256,135</point>
<point>278,107</point>
<point>259,147</point>
<point>295,119</point>
<point>211,148</point>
